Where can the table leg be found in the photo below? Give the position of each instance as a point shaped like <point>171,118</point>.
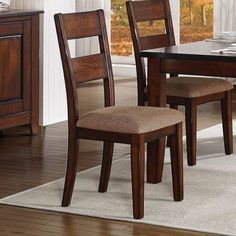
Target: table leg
<point>156,97</point>
<point>156,84</point>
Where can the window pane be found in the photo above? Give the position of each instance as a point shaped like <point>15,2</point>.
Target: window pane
<point>196,20</point>
<point>196,23</point>
<point>149,28</point>
<point>121,43</point>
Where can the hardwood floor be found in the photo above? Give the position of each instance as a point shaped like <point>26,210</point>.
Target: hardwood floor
<point>28,161</point>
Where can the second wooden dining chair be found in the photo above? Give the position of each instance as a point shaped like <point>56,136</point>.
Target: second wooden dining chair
<point>130,125</point>
<point>186,91</point>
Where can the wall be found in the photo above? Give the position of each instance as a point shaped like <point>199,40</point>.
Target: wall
<point>175,11</point>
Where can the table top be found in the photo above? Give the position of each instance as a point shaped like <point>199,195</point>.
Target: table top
<point>197,50</point>
<point>14,12</point>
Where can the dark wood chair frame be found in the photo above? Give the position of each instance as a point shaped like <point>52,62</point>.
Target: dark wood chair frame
<point>98,66</point>
<point>141,11</point>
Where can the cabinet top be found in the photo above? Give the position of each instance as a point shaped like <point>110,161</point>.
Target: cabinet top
<point>14,12</point>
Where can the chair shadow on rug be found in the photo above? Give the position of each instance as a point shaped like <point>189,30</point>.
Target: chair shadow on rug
<point>130,125</point>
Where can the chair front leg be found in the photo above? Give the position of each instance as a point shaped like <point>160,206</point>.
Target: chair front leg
<point>226,113</point>
<point>176,150</point>
<point>108,148</point>
<point>137,172</point>
<point>72,164</point>
<point>191,131</point>
<point>155,160</point>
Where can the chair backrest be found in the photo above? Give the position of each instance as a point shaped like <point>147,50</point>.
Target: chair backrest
<point>87,68</point>
<point>148,11</point>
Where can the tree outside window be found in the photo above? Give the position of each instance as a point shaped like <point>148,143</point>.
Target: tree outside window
<point>196,20</point>
<point>196,23</point>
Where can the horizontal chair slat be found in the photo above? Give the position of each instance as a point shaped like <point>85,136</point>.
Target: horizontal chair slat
<point>155,10</point>
<point>154,41</point>
<point>80,26</point>
<point>89,68</point>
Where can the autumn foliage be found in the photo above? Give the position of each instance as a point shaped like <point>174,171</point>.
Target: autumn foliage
<point>196,23</point>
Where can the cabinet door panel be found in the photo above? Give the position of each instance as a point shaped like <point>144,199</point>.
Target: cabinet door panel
<point>10,69</point>
<point>15,58</point>
<point>19,69</point>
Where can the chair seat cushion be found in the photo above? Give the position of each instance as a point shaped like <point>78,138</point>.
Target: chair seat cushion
<point>131,120</point>
<point>189,87</point>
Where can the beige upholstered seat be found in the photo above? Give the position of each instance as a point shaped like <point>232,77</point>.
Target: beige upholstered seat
<point>189,87</point>
<point>133,120</point>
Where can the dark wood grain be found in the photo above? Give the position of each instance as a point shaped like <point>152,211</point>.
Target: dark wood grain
<point>97,67</point>
<point>226,114</point>
<point>200,51</point>
<point>154,41</point>
<point>84,68</point>
<point>85,26</point>
<point>34,86</point>
<point>108,148</point>
<point>19,69</point>
<point>10,69</point>
<point>191,67</point>
<point>165,57</point>
<point>154,9</point>
<point>19,12</point>
<point>177,163</point>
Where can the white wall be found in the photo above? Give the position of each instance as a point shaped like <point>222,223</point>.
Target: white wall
<point>175,11</point>
<point>52,89</point>
<point>224,16</point>
<point>27,4</point>
<point>54,96</point>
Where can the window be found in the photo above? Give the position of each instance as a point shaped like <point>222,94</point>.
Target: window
<point>196,20</point>
<point>121,43</point>
<point>196,23</point>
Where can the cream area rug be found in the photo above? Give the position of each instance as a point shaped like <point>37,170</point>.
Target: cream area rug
<point>208,205</point>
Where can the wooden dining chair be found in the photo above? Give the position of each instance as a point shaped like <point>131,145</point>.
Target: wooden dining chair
<point>186,91</point>
<point>130,125</point>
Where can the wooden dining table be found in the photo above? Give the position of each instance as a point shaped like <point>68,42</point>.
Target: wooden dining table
<point>197,58</point>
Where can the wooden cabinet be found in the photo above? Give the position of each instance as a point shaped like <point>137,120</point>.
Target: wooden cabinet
<point>19,69</point>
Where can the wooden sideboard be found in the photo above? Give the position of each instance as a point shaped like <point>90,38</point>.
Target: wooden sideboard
<point>19,69</point>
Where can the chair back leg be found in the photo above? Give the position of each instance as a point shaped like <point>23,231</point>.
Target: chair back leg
<point>108,148</point>
<point>72,164</point>
<point>155,160</point>
<point>191,130</point>
<point>226,113</point>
